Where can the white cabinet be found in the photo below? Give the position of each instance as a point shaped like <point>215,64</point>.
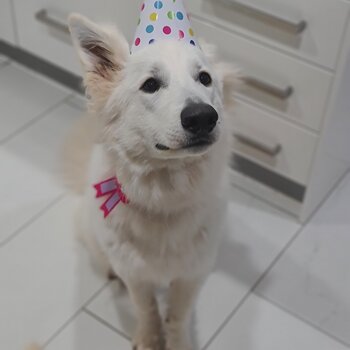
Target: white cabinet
<point>309,29</point>
<point>7,31</point>
<point>53,44</point>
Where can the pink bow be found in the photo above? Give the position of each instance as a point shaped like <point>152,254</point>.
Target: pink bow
<point>112,188</point>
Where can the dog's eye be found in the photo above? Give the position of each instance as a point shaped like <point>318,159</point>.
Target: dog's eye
<point>150,86</point>
<point>205,78</point>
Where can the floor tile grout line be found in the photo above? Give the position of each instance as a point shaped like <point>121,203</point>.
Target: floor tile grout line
<point>31,220</point>
<point>226,321</point>
<point>59,330</point>
<point>39,117</point>
<point>251,290</point>
<point>106,324</point>
<point>304,320</point>
<point>272,264</point>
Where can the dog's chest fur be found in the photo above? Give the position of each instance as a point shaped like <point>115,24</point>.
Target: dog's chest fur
<point>169,229</point>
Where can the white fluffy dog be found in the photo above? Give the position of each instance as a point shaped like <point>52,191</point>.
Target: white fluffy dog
<point>158,123</point>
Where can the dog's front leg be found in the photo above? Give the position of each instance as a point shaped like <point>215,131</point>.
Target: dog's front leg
<point>148,335</point>
<point>181,297</point>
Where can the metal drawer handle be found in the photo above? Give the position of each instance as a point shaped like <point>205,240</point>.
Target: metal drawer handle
<point>281,93</point>
<point>44,17</point>
<point>282,23</point>
<point>271,151</point>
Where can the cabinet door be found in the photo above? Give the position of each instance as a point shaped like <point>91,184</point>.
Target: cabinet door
<point>54,44</point>
<point>6,22</point>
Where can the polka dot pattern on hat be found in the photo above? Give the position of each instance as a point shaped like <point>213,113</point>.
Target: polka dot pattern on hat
<point>153,16</point>
<point>167,30</point>
<point>149,28</point>
<point>180,16</point>
<point>158,5</point>
<point>137,41</point>
<point>171,14</point>
<point>163,20</point>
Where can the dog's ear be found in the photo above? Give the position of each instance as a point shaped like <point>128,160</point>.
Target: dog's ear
<point>103,52</point>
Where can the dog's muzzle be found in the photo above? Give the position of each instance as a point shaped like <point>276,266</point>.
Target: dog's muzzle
<point>199,121</point>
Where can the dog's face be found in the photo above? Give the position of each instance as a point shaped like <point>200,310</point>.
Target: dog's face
<point>163,102</point>
<point>174,100</point>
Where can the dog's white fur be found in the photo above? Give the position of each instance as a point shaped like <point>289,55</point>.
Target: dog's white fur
<point>169,233</point>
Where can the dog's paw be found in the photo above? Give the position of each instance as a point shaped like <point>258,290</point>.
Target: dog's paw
<point>176,339</point>
<point>147,340</point>
<point>178,346</point>
<point>177,342</point>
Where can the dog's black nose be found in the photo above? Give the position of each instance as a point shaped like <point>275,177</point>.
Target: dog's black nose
<point>199,118</point>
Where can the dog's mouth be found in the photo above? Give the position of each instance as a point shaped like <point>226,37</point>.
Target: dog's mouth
<point>192,145</point>
<point>161,147</point>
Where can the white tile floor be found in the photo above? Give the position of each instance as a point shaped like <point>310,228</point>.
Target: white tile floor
<point>277,285</point>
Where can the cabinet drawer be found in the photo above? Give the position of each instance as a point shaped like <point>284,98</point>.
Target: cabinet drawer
<point>55,45</point>
<point>310,85</point>
<point>273,143</point>
<point>280,23</point>
<point>6,22</point>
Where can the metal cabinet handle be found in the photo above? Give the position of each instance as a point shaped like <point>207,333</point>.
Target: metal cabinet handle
<point>44,17</point>
<point>281,93</point>
<point>271,151</point>
<point>295,28</point>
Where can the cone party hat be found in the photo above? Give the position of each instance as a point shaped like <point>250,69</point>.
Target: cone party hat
<point>162,20</point>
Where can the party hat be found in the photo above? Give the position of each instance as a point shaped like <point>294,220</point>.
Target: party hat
<point>162,20</point>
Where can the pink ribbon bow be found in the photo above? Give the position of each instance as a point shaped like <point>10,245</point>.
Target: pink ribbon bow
<point>113,189</point>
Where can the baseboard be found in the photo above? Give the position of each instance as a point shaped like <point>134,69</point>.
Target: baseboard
<point>42,66</point>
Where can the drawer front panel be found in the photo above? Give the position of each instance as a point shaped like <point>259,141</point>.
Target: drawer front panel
<point>288,87</point>
<point>54,44</point>
<point>6,22</point>
<point>273,143</point>
<point>301,27</point>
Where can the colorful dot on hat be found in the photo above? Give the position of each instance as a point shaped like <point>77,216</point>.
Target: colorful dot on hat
<point>142,6</point>
<point>181,34</point>
<point>192,43</point>
<point>151,41</point>
<point>167,30</point>
<point>171,14</point>
<point>180,15</point>
<point>139,21</point>
<point>158,5</point>
<point>149,28</point>
<point>191,32</point>
<point>153,16</point>
<point>137,41</point>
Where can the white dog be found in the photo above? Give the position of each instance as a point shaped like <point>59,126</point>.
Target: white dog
<point>160,127</point>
